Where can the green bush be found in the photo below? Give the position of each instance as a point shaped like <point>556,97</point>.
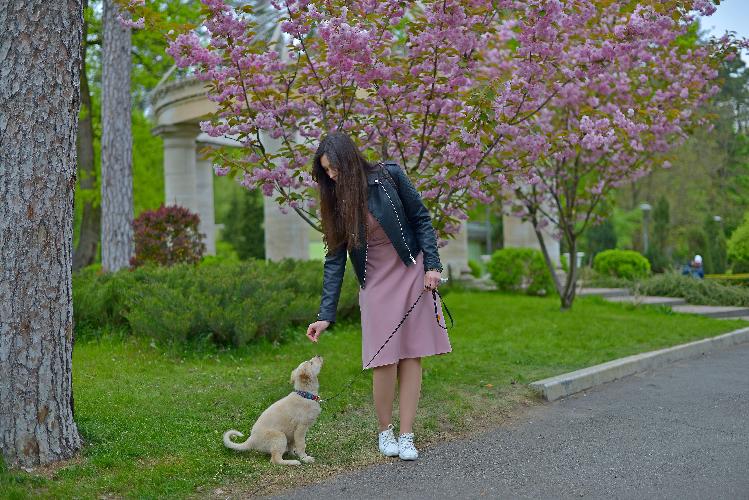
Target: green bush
<point>515,269</point>
<point>626,264</point>
<point>589,278</point>
<point>695,291</point>
<point>738,248</point>
<point>227,303</point>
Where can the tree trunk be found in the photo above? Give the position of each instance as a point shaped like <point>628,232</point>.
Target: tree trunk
<point>39,103</point>
<point>90,232</point>
<point>116,144</point>
<point>567,291</point>
<point>547,257</point>
<point>568,294</point>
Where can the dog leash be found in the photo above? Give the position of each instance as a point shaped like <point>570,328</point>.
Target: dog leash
<point>435,293</point>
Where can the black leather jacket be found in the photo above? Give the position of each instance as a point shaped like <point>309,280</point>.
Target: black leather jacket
<point>397,206</point>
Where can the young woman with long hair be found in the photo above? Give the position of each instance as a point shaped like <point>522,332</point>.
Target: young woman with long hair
<point>374,213</point>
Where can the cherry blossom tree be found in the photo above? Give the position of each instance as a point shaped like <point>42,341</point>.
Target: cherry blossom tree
<point>469,96</point>
<point>615,126</point>
<point>443,87</point>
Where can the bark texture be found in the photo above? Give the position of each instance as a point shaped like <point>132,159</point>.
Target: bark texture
<point>116,144</point>
<point>90,231</point>
<point>39,103</point>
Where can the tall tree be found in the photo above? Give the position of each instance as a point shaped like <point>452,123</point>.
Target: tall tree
<point>39,104</point>
<point>90,231</point>
<point>116,143</point>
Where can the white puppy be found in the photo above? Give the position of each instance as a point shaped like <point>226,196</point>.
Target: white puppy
<point>283,425</point>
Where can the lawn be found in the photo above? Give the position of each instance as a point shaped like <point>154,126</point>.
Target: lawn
<point>152,418</point>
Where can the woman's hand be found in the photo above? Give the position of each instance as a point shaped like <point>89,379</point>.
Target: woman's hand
<point>431,280</point>
<point>315,329</point>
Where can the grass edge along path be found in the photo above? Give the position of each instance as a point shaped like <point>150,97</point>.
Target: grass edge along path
<point>152,418</point>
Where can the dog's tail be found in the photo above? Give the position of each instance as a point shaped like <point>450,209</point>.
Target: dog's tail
<point>236,446</point>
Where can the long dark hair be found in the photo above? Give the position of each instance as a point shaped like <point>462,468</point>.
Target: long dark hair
<point>343,202</point>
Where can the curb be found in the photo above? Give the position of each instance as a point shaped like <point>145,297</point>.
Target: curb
<point>569,383</point>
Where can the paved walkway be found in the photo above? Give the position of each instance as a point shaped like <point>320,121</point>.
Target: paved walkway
<point>681,432</point>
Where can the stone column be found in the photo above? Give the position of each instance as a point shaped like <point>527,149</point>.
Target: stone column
<point>286,235</point>
<point>204,197</point>
<point>179,164</point>
<point>455,254</point>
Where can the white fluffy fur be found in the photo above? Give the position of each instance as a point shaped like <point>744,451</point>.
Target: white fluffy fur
<point>283,426</point>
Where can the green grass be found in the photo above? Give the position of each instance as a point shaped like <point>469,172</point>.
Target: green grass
<point>152,419</point>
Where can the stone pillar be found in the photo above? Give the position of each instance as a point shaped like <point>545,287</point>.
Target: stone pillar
<point>188,181</point>
<point>204,196</point>
<point>179,164</point>
<point>455,254</point>
<point>286,235</point>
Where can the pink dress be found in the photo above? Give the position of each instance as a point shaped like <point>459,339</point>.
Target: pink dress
<point>390,289</point>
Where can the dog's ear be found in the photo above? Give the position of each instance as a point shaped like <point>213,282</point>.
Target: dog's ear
<point>304,376</point>
<point>293,376</point>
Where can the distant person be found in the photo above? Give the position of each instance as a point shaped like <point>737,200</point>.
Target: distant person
<point>694,268</point>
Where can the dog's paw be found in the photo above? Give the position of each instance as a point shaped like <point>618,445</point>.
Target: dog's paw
<point>308,459</point>
<point>293,462</point>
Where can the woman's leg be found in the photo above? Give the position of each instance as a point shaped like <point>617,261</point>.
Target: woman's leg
<point>409,379</point>
<point>383,391</point>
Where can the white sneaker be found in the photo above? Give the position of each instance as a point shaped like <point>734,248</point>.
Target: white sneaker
<point>406,448</point>
<point>388,444</point>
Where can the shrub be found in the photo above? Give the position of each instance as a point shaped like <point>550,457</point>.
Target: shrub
<point>695,291</point>
<point>228,303</point>
<point>99,297</point>
<point>167,236</point>
<point>738,248</point>
<point>515,269</point>
<point>589,278</point>
<point>730,279</point>
<point>626,264</point>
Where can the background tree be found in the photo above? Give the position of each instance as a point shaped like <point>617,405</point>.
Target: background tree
<point>617,125</point>
<point>658,252</point>
<point>244,225</point>
<point>90,226</point>
<point>39,104</point>
<point>709,175</point>
<point>116,143</point>
<point>149,64</point>
<point>715,259</point>
<point>599,237</point>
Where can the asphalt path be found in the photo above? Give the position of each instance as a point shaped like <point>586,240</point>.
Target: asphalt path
<point>681,431</point>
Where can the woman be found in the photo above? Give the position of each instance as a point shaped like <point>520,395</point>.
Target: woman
<point>376,214</point>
